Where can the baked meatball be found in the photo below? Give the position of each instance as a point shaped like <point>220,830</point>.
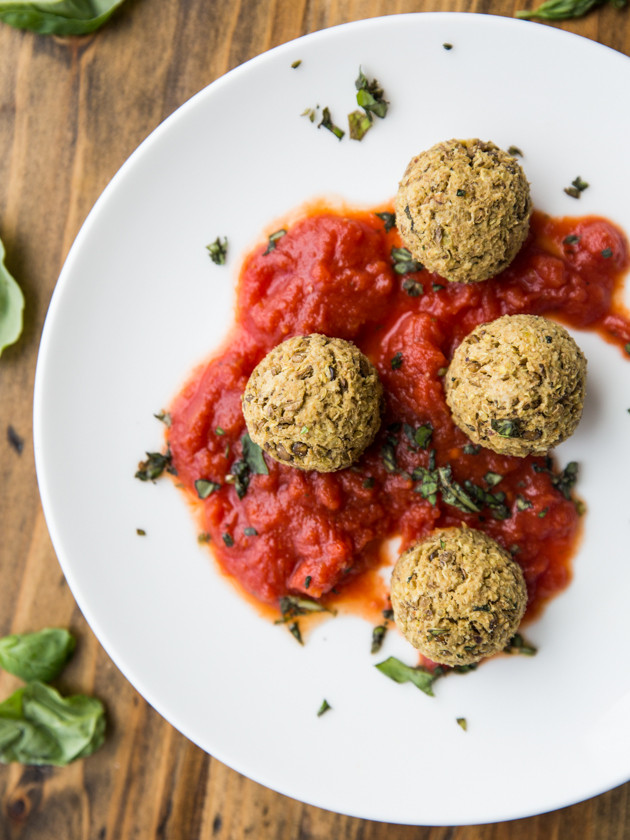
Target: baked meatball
<point>314,402</point>
<point>516,385</point>
<point>458,596</point>
<point>463,209</point>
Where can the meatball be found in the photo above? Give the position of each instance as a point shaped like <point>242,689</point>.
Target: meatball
<point>463,209</point>
<point>458,596</point>
<point>314,402</point>
<point>517,384</point>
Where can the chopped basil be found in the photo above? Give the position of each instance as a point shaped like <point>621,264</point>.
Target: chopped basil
<point>388,219</point>
<point>370,96</point>
<point>40,726</point>
<point>219,431</point>
<point>447,46</point>
<point>403,262</point>
<point>463,723</point>
<point>492,479</point>
<point>204,537</point>
<point>16,442</point>
<point>378,636</point>
<point>543,513</point>
<point>273,240</point>
<point>607,253</point>
<point>205,488</point>
<point>471,448</point>
<point>141,532</point>
<point>396,670</point>
<point>156,463</point>
<point>577,187</point>
<point>311,113</point>
<point>327,122</point>
<point>296,64</point>
<point>388,454</point>
<point>437,287</point>
<point>517,644</point>
<point>294,605</point>
<point>218,250</point>
<point>571,239</point>
<point>397,360</point>
<point>419,436</point>
<point>323,708</point>
<point>359,123</point>
<point>453,493</point>
<point>250,532</point>
<point>460,193</point>
<point>294,629</point>
<point>37,656</point>
<point>252,463</point>
<point>228,539</point>
<point>565,481</point>
<point>506,427</point>
<point>307,581</point>
<point>522,503</point>
<point>412,287</point>
<point>515,151</point>
<point>164,417</point>
<point>627,348</point>
<point>369,482</point>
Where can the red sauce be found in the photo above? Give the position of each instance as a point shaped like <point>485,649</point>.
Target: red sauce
<point>332,273</point>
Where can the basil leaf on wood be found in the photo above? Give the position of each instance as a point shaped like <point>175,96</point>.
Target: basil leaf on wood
<point>37,656</point>
<point>11,306</point>
<point>58,17</point>
<point>401,673</point>
<point>40,726</point>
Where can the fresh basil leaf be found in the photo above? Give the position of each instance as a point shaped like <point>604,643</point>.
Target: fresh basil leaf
<point>37,656</point>
<point>11,306</point>
<point>401,673</point>
<point>39,726</point>
<point>58,17</point>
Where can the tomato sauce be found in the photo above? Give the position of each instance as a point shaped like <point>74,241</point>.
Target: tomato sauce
<point>316,534</point>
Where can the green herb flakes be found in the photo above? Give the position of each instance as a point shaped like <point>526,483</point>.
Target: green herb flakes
<point>250,532</point>
<point>461,721</point>
<point>515,151</point>
<point>141,532</point>
<point>228,539</point>
<point>506,427</point>
<point>155,464</point>
<point>205,488</point>
<point>403,262</point>
<point>517,644</point>
<point>326,122</point>
<point>388,219</point>
<point>325,707</point>
<point>359,123</point>
<point>577,187</point>
<point>370,96</point>
<point>296,64</point>
<point>272,241</point>
<point>397,361</point>
<point>217,250</point>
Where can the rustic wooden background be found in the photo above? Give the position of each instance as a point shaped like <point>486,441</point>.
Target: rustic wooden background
<point>71,111</point>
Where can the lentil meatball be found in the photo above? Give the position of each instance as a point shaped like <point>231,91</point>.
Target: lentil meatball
<point>463,209</point>
<point>314,402</point>
<point>458,596</point>
<point>516,385</point>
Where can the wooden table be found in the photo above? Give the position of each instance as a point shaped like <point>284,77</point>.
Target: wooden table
<point>71,111</point>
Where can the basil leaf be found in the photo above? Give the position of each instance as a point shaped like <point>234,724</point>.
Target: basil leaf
<point>11,306</point>
<point>39,726</point>
<point>58,17</point>
<point>401,673</point>
<point>253,455</point>
<point>37,656</point>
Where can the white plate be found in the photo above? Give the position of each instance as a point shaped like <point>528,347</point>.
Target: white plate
<point>139,303</point>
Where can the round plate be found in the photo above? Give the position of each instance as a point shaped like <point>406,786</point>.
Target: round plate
<point>139,304</point>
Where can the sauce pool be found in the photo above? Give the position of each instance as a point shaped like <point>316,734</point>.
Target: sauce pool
<point>321,535</point>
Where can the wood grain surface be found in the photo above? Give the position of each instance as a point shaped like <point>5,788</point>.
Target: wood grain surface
<point>71,112</point>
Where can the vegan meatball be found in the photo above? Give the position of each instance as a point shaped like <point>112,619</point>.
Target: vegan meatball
<point>517,384</point>
<point>458,596</point>
<point>463,209</point>
<point>314,402</point>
